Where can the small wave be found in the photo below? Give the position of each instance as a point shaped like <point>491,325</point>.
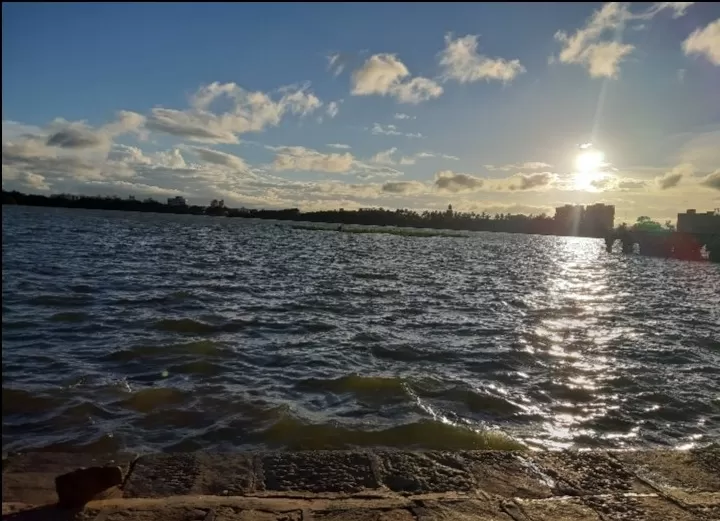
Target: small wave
<point>199,367</point>
<point>382,387</point>
<point>61,300</point>
<point>205,348</point>
<point>82,288</point>
<point>185,325</point>
<point>375,276</point>
<point>69,317</point>
<point>18,401</point>
<point>147,400</point>
<point>294,434</point>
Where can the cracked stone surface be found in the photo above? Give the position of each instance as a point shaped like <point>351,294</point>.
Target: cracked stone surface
<point>556,510</point>
<point>585,473</point>
<point>379,485</point>
<point>30,478</point>
<point>318,471</point>
<point>160,475</point>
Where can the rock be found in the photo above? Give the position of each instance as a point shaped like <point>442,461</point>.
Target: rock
<point>76,488</point>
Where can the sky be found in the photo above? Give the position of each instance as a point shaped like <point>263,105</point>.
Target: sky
<point>496,107</point>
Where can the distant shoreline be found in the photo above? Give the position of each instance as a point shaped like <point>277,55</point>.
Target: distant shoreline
<point>401,218</point>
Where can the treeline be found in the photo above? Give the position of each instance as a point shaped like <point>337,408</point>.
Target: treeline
<point>448,219</point>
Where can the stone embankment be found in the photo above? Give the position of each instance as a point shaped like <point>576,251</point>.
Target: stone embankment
<point>367,485</point>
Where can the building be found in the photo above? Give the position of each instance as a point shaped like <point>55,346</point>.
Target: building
<point>217,204</point>
<point>598,219</point>
<point>568,219</point>
<point>693,222</point>
<point>176,201</point>
<point>592,221</point>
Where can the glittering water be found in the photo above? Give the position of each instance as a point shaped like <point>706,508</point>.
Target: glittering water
<point>139,331</point>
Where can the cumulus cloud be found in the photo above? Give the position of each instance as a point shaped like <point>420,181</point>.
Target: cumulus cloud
<point>462,62</point>
<point>597,46</point>
<point>585,46</point>
<point>249,112</point>
<point>392,130</point>
<point>384,74</point>
<point>449,181</point>
<point>672,178</point>
<point>341,146</point>
<point>307,159</point>
<point>385,157</point>
<point>404,187</point>
<point>712,180</point>
<point>705,42</point>
<point>220,158</point>
<point>531,181</point>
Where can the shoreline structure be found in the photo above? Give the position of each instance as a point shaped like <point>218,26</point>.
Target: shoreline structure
<point>645,485</point>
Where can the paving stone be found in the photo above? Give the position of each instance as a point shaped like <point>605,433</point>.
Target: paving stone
<point>423,472</point>
<point>30,478</point>
<point>639,508</point>
<point>465,510</point>
<point>160,475</point>
<point>672,470</point>
<point>557,510</point>
<point>509,475</point>
<point>397,514</point>
<point>318,471</point>
<point>588,473</point>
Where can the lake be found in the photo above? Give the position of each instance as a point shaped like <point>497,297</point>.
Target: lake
<point>126,331</point>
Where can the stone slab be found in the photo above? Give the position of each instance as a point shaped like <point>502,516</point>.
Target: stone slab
<point>162,475</point>
<point>361,515</point>
<point>30,478</point>
<point>671,471</point>
<point>554,510</point>
<point>588,473</point>
<point>639,508</point>
<point>509,474</point>
<point>317,471</point>
<point>463,510</point>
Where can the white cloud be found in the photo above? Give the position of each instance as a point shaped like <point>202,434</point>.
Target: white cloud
<point>400,115</point>
<point>527,165</point>
<point>307,159</point>
<point>584,47</point>
<point>705,41</point>
<point>531,181</point>
<point>250,112</point>
<point>385,74</point>
<point>341,146</point>
<point>449,181</point>
<point>217,157</point>
<point>673,178</point>
<point>332,109</point>
<point>391,130</point>
<point>385,157</point>
<point>598,47</point>
<point>712,180</point>
<point>336,63</point>
<point>461,61</point>
<point>404,187</point>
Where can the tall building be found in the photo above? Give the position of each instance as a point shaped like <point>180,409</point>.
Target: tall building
<point>693,222</point>
<point>568,219</point>
<point>598,219</point>
<point>591,221</point>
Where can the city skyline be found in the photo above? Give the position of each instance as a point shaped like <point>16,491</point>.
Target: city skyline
<point>483,106</point>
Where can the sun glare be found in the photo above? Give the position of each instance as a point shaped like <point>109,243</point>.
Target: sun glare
<point>588,165</point>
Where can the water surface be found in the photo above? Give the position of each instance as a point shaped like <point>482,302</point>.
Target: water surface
<point>162,332</point>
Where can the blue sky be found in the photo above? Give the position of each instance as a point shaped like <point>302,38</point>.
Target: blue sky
<point>480,105</point>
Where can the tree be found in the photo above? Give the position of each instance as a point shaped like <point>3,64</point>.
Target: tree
<point>645,224</point>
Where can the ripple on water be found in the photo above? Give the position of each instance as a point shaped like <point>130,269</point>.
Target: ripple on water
<point>160,332</point>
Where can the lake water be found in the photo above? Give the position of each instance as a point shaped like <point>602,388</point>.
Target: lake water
<point>126,331</point>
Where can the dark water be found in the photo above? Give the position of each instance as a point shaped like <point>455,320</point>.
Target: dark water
<point>151,332</point>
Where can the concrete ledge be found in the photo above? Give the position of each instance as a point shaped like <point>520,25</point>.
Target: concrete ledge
<point>389,485</point>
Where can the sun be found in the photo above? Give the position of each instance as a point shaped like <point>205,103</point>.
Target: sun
<point>588,165</point>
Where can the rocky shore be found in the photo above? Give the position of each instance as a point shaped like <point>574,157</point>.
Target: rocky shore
<point>366,485</point>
